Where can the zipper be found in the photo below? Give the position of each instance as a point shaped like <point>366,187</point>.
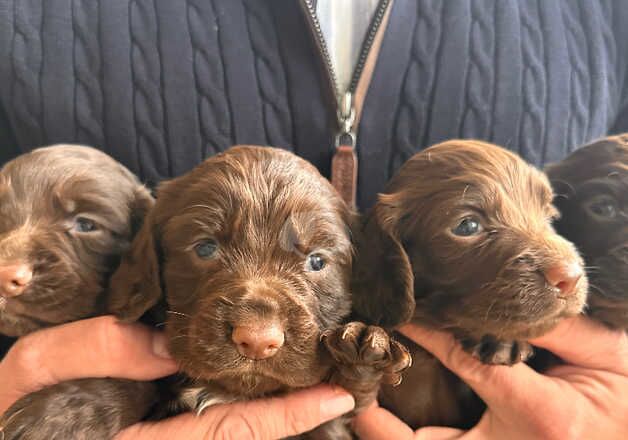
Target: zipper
<point>344,102</point>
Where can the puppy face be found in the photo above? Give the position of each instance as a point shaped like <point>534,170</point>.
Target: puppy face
<point>591,189</point>
<point>66,214</point>
<point>252,250</point>
<point>463,239</point>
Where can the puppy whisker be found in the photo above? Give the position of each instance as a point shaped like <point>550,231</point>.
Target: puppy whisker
<point>177,313</point>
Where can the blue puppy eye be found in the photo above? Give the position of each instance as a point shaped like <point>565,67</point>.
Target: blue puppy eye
<point>467,227</point>
<point>314,263</point>
<point>82,224</point>
<point>206,249</point>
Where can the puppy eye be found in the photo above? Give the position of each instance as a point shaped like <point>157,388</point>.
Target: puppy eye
<point>605,208</point>
<point>206,249</point>
<point>314,263</point>
<point>467,227</point>
<point>82,224</point>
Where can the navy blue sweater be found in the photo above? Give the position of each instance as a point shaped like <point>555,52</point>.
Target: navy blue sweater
<point>161,84</point>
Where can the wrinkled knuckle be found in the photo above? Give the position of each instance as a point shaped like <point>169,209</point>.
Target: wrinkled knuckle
<point>294,421</point>
<point>234,426</point>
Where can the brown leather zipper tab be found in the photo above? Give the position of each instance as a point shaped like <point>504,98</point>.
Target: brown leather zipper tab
<point>344,173</point>
<point>344,166</point>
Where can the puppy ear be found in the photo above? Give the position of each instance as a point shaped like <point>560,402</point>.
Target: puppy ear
<point>382,281</point>
<point>142,202</point>
<point>135,286</point>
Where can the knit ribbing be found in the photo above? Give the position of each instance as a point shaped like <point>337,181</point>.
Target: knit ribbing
<point>578,81</point>
<point>209,77</point>
<point>534,85</point>
<point>420,75</point>
<point>479,82</point>
<point>160,84</point>
<point>610,45</point>
<point>270,75</point>
<point>147,91</point>
<point>26,64</point>
<point>88,97</point>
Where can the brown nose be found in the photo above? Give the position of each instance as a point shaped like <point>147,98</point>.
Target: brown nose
<point>564,276</point>
<point>14,279</point>
<point>259,342</point>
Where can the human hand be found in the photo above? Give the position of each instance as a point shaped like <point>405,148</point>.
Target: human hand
<point>97,347</point>
<point>585,398</point>
<point>271,418</point>
<point>104,347</point>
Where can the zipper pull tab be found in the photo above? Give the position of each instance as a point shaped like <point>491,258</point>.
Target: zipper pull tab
<point>346,119</point>
<point>344,165</point>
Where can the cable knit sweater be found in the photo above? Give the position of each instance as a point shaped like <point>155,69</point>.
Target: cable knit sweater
<point>161,84</point>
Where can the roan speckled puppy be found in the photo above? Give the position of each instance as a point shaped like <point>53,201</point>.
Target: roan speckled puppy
<point>67,214</point>
<point>462,240</point>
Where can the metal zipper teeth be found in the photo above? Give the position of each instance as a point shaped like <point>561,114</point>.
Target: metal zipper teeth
<point>376,22</point>
<point>320,41</point>
<point>378,17</point>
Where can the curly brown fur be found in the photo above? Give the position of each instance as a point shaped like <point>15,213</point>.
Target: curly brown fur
<point>42,196</point>
<point>488,288</point>
<point>265,213</point>
<point>79,409</point>
<point>591,188</point>
<point>47,198</point>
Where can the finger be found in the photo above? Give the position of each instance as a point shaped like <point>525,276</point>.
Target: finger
<point>439,433</point>
<point>263,419</point>
<point>376,423</point>
<point>98,347</point>
<point>495,384</point>
<point>584,342</point>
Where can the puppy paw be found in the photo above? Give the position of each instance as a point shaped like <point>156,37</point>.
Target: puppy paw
<point>491,350</point>
<point>367,352</point>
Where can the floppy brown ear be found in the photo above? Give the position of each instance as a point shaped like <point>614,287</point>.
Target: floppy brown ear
<point>142,202</point>
<point>135,286</point>
<point>382,282</point>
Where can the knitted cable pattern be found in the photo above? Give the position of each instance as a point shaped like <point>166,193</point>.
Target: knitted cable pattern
<point>611,50</point>
<point>579,86</point>
<point>88,96</point>
<point>417,93</point>
<point>271,77</point>
<point>209,76</point>
<point>147,91</point>
<point>479,81</point>
<point>534,84</point>
<point>26,64</point>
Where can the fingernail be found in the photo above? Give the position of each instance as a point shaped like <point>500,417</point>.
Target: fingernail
<point>160,347</point>
<point>337,404</point>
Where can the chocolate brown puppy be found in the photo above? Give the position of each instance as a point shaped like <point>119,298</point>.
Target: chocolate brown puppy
<point>67,213</point>
<point>462,240</point>
<point>251,253</point>
<point>591,188</point>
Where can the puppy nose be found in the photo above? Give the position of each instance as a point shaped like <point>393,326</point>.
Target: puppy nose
<point>259,342</point>
<point>14,279</point>
<point>564,276</point>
